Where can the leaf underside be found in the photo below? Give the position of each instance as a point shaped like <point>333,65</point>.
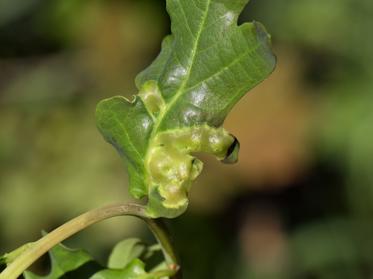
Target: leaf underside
<point>206,65</point>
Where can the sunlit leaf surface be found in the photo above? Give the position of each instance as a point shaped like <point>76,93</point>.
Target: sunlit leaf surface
<point>206,65</point>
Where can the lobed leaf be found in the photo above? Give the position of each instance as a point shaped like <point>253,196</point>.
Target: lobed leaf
<point>124,262</point>
<point>206,65</point>
<point>67,263</point>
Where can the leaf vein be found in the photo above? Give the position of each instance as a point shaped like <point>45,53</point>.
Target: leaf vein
<point>128,137</point>
<point>183,84</point>
<point>186,19</point>
<point>223,69</point>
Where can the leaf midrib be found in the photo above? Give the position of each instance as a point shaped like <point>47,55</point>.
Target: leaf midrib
<point>180,91</point>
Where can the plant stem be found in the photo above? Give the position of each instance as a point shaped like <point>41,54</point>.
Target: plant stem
<point>43,245</point>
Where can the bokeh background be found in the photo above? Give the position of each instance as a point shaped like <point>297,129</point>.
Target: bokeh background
<point>299,204</point>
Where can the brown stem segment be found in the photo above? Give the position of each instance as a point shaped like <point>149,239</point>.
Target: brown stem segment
<point>43,245</point>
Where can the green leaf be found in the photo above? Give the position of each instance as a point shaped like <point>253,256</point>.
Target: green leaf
<point>123,263</point>
<point>206,65</point>
<point>125,252</point>
<point>134,270</point>
<point>67,263</point>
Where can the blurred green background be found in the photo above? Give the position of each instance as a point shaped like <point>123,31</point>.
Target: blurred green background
<point>299,204</point>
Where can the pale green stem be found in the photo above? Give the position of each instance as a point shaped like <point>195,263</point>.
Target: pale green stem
<point>43,245</point>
